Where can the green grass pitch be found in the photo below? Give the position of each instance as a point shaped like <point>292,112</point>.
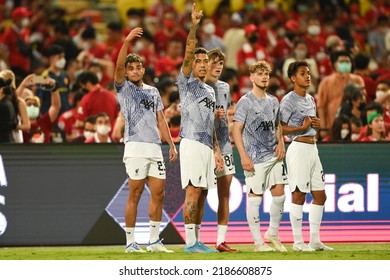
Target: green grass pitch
<point>343,251</point>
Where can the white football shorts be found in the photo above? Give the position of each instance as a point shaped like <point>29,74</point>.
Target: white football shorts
<point>197,164</point>
<point>266,175</point>
<point>304,167</point>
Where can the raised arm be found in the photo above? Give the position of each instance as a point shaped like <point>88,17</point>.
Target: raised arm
<point>191,41</point>
<point>119,74</point>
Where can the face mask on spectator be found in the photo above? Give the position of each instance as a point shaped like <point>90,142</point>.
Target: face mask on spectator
<point>355,136</point>
<point>60,64</point>
<point>344,133</point>
<point>139,46</point>
<point>314,30</point>
<point>209,28</point>
<point>133,23</point>
<point>103,129</point>
<point>99,75</point>
<point>25,22</point>
<point>88,134</point>
<point>85,45</point>
<point>344,67</point>
<point>300,54</point>
<point>32,112</point>
<point>169,24</point>
<point>379,93</point>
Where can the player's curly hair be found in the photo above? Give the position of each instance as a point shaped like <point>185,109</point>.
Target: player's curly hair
<point>260,65</point>
<point>133,57</point>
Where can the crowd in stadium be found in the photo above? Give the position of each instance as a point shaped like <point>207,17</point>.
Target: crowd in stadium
<point>57,68</point>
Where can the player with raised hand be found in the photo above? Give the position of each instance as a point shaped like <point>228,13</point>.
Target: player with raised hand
<point>142,109</point>
<point>199,150</point>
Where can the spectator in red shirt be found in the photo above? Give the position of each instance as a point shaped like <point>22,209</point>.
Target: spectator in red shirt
<point>171,29</point>
<point>173,57</point>
<point>361,68</point>
<point>114,39</point>
<point>91,44</point>
<point>285,44</point>
<point>314,41</point>
<point>102,129</point>
<point>67,120</point>
<point>382,96</point>
<point>97,99</point>
<point>16,39</point>
<point>249,53</point>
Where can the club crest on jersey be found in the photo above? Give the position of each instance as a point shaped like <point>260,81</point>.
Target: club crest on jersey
<point>209,103</point>
<point>147,104</point>
<point>266,125</point>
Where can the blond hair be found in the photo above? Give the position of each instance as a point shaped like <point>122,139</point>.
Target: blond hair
<point>260,65</point>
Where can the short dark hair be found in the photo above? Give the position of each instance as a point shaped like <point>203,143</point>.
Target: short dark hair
<point>293,67</point>
<point>135,12</point>
<point>200,50</point>
<point>54,50</point>
<point>89,33</point>
<point>102,114</point>
<point>114,26</point>
<point>374,106</point>
<point>336,54</point>
<point>87,76</point>
<point>361,61</point>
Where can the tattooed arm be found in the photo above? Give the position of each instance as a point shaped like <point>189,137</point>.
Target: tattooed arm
<point>191,41</point>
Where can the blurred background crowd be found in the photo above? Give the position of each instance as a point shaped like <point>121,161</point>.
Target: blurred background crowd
<point>57,61</point>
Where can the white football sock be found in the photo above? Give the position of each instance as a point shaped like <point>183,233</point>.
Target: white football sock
<point>190,234</point>
<point>221,230</point>
<point>154,231</point>
<point>296,215</point>
<point>253,218</point>
<point>275,213</point>
<point>129,235</point>
<point>315,218</point>
<point>197,232</point>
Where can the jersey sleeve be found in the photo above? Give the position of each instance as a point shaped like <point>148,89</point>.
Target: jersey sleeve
<point>285,111</point>
<point>242,110</point>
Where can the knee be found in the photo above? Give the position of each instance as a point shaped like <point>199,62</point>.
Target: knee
<point>158,196</point>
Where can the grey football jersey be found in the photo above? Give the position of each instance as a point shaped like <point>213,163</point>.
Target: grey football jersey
<point>293,110</point>
<point>139,107</point>
<point>259,117</point>
<point>197,104</point>
<point>223,101</point>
